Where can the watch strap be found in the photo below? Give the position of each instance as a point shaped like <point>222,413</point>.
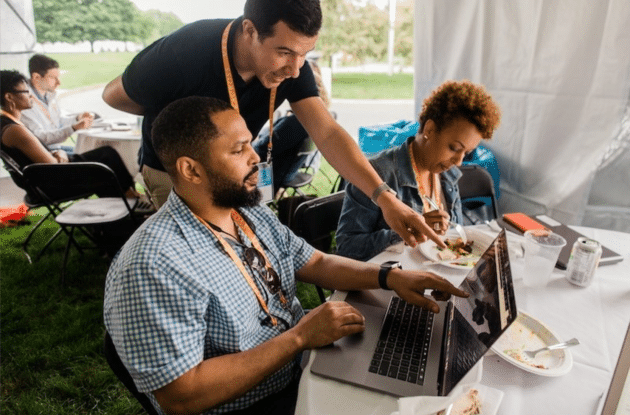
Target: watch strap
<point>383,187</point>
<point>382,277</point>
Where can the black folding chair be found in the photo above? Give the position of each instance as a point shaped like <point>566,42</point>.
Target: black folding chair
<point>121,372</point>
<point>95,218</point>
<point>316,221</point>
<point>476,189</point>
<point>33,199</point>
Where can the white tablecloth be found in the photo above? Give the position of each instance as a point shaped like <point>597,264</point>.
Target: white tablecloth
<point>597,315</point>
<point>126,143</point>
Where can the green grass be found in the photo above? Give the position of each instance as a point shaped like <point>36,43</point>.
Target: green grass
<point>86,69</point>
<point>372,86</point>
<point>51,336</point>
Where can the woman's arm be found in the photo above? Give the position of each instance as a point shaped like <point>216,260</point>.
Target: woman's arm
<point>359,235</point>
<point>21,138</point>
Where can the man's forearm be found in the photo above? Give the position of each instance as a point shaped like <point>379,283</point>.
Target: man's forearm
<point>340,150</point>
<point>338,273</point>
<point>115,96</point>
<point>224,378</point>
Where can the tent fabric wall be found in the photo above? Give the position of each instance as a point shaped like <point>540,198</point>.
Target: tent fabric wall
<point>17,36</point>
<point>560,69</point>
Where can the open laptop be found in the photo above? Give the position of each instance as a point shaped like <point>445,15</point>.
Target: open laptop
<point>432,361</point>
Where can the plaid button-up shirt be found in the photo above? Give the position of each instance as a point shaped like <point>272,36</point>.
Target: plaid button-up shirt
<point>174,298</point>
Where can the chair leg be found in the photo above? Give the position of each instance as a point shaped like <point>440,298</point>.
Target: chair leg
<point>321,294</point>
<point>50,241</point>
<point>30,235</point>
<point>65,254</point>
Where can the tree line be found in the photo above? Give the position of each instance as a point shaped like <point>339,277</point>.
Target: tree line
<point>357,32</point>
<point>80,20</point>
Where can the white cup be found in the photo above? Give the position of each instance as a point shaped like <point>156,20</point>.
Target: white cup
<point>542,249</point>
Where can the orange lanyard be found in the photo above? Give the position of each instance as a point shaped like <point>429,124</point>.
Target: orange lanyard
<point>232,90</point>
<point>11,117</point>
<point>437,190</point>
<point>240,222</point>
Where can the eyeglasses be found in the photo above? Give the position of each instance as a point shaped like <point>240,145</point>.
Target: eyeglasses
<point>257,262</point>
<point>26,91</point>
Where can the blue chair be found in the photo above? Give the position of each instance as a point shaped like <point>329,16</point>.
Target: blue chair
<point>375,138</point>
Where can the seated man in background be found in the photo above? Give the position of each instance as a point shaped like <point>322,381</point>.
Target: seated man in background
<point>201,302</point>
<point>24,148</point>
<point>454,119</point>
<point>288,139</point>
<point>44,119</point>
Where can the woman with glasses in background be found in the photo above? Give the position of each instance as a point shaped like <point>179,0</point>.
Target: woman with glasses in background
<point>24,148</point>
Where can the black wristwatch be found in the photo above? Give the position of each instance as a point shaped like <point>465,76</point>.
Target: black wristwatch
<point>385,268</point>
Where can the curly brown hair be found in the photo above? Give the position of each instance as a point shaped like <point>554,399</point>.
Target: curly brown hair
<point>461,99</point>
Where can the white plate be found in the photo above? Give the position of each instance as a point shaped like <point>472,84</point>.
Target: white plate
<point>528,333</point>
<point>481,242</point>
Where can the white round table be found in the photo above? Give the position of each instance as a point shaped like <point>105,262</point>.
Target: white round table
<point>126,143</point>
<point>597,315</point>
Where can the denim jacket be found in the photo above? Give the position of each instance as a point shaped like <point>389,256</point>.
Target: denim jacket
<point>362,231</point>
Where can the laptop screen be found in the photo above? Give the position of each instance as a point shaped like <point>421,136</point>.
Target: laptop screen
<point>476,322</point>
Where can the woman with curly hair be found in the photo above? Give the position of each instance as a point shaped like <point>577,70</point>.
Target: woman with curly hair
<point>454,119</point>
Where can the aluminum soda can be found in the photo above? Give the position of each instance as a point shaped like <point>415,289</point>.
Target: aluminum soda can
<point>583,261</point>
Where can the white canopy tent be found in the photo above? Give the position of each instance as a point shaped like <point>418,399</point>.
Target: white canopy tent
<point>560,70</point>
<point>17,37</point>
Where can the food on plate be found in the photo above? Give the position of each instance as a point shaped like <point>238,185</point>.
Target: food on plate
<point>517,354</point>
<point>456,249</point>
<point>466,404</point>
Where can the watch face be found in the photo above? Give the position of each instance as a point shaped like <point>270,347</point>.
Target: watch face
<point>391,264</point>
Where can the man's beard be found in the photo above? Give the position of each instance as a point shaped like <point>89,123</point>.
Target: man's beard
<point>230,194</point>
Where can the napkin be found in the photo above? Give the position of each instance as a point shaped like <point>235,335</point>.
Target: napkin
<point>489,398</point>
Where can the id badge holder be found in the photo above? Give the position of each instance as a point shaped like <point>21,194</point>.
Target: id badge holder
<point>265,181</point>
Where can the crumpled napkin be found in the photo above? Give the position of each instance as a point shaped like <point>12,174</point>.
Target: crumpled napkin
<point>490,399</point>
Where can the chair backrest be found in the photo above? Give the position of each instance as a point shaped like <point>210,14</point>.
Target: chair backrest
<point>121,372</point>
<point>315,220</point>
<point>62,180</point>
<point>476,188</point>
<point>14,171</point>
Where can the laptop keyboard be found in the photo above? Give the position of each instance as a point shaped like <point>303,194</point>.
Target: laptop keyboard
<point>403,346</point>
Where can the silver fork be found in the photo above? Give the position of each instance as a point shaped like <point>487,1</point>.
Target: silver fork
<point>459,228</point>
<point>532,354</point>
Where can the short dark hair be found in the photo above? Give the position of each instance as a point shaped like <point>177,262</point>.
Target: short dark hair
<point>302,16</point>
<point>9,80</point>
<point>184,128</point>
<point>40,64</point>
<point>454,100</point>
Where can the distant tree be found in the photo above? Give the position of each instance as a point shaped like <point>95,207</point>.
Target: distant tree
<point>164,24</point>
<point>357,29</point>
<point>403,43</point>
<point>78,20</point>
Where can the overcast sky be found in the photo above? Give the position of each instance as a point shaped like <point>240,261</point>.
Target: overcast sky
<point>191,10</point>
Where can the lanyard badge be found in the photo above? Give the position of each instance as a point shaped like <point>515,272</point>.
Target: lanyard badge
<point>265,175</point>
<point>265,181</point>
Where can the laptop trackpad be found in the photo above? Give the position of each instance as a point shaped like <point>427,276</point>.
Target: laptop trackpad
<point>349,357</point>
